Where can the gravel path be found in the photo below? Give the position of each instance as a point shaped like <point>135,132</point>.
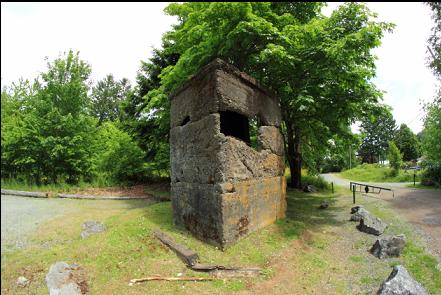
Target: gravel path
<point>345,182</point>
<point>420,207</point>
<point>20,216</point>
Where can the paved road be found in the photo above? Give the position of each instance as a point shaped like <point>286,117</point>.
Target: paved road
<point>419,207</point>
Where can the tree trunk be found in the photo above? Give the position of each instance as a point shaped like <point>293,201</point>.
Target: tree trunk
<point>296,177</point>
<point>293,155</point>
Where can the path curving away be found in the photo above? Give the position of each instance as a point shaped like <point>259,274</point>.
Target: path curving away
<point>419,207</point>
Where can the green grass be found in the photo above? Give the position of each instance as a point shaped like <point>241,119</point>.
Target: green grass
<point>128,250</point>
<point>378,173</point>
<point>422,186</point>
<point>56,187</point>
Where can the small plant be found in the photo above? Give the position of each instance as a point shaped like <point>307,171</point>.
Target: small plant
<point>395,158</point>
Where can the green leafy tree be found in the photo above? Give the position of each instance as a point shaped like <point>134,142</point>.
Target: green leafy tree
<point>106,98</point>
<point>341,154</point>
<point>395,157</point>
<point>377,130</point>
<point>144,119</point>
<point>435,39</point>
<point>407,143</point>
<point>52,140</point>
<point>117,155</point>
<point>431,141</point>
<point>320,67</point>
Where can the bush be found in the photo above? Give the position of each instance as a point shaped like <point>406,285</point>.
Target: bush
<point>118,156</point>
<point>432,175</point>
<point>395,158</point>
<point>316,181</point>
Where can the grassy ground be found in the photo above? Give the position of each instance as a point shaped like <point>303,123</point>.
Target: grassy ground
<point>422,186</point>
<point>310,252</point>
<point>99,187</point>
<point>377,173</point>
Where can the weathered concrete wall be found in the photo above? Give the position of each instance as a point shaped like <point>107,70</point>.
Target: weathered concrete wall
<point>221,187</point>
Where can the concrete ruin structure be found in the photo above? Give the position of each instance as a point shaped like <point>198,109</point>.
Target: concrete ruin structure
<point>223,188</point>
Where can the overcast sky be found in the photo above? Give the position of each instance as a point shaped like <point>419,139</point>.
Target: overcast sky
<point>115,37</point>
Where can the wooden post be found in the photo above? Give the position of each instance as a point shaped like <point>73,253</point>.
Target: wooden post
<point>353,193</point>
<point>332,186</point>
<point>414,176</point>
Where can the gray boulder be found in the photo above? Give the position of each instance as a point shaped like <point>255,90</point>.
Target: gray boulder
<point>92,227</point>
<point>389,246</point>
<point>310,189</point>
<point>324,205</point>
<point>22,282</point>
<point>65,279</point>
<point>358,212</point>
<point>371,225</point>
<point>400,282</point>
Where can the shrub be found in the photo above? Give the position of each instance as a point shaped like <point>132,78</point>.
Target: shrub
<point>432,175</point>
<point>395,158</point>
<point>118,156</point>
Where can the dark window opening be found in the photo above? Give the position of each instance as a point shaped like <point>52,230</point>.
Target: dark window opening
<point>236,125</point>
<point>186,120</point>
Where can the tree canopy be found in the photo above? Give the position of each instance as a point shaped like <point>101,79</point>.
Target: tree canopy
<point>407,143</point>
<point>377,130</point>
<point>320,67</point>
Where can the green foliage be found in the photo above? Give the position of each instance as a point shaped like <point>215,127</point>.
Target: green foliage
<point>48,136</point>
<point>340,155</point>
<point>407,143</point>
<point>377,130</point>
<point>314,63</point>
<point>106,98</point>
<point>145,118</point>
<point>117,155</point>
<point>379,173</point>
<point>317,181</point>
<point>395,157</point>
<point>435,39</point>
<point>432,175</point>
<point>432,132</point>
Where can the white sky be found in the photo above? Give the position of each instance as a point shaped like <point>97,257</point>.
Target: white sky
<point>115,37</point>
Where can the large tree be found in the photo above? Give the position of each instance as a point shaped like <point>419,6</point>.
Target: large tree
<point>407,143</point>
<point>144,119</point>
<point>107,96</point>
<point>435,39</point>
<point>431,139</point>
<point>320,67</point>
<point>53,138</point>
<point>377,130</point>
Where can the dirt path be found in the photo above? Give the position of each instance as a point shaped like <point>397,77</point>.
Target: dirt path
<point>420,207</point>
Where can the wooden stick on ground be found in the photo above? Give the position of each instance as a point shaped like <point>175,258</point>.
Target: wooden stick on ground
<point>169,279</point>
<point>187,255</point>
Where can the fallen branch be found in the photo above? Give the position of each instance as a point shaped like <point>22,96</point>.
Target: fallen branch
<point>134,281</point>
<point>191,258</point>
<point>230,272</point>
